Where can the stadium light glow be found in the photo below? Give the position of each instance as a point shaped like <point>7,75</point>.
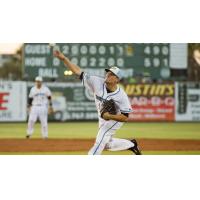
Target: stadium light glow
<point>68,73</point>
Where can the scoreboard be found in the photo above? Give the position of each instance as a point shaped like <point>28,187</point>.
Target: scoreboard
<point>133,58</point>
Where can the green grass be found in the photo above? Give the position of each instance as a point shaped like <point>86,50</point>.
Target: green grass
<point>89,130</point>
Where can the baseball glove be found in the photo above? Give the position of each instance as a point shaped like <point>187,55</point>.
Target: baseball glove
<point>108,106</point>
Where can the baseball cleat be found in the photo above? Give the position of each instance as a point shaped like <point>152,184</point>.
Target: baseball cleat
<point>135,148</point>
<point>28,136</point>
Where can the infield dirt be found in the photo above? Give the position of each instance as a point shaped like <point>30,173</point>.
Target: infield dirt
<point>62,145</point>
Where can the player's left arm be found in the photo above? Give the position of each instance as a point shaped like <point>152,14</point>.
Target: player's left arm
<point>50,109</point>
<point>123,117</point>
<point>125,109</point>
<point>49,96</point>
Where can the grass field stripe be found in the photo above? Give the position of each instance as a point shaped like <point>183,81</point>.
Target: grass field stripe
<point>103,137</point>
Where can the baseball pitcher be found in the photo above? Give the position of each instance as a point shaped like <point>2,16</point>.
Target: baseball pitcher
<point>112,105</point>
<point>38,107</point>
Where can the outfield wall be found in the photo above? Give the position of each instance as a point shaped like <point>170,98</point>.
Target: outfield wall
<point>150,102</point>
<point>13,101</point>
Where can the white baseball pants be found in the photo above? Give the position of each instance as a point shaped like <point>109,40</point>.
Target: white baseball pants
<point>105,140</point>
<point>41,113</point>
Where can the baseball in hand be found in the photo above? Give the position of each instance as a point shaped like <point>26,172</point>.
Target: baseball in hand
<point>52,45</point>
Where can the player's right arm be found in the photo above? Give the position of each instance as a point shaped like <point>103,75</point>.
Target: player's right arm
<point>91,82</point>
<point>74,68</point>
<point>30,100</point>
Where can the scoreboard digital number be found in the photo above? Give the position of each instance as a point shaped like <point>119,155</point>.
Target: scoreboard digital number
<point>133,58</point>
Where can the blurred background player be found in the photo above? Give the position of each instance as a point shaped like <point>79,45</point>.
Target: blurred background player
<point>105,89</point>
<point>38,107</point>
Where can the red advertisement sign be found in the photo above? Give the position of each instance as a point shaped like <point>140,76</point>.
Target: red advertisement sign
<point>13,101</point>
<point>151,102</point>
<point>3,100</point>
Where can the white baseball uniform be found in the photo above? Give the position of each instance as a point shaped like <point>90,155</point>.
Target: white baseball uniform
<point>39,109</point>
<point>104,139</point>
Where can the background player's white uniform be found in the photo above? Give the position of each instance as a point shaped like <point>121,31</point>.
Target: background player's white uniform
<point>104,139</point>
<point>39,109</point>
